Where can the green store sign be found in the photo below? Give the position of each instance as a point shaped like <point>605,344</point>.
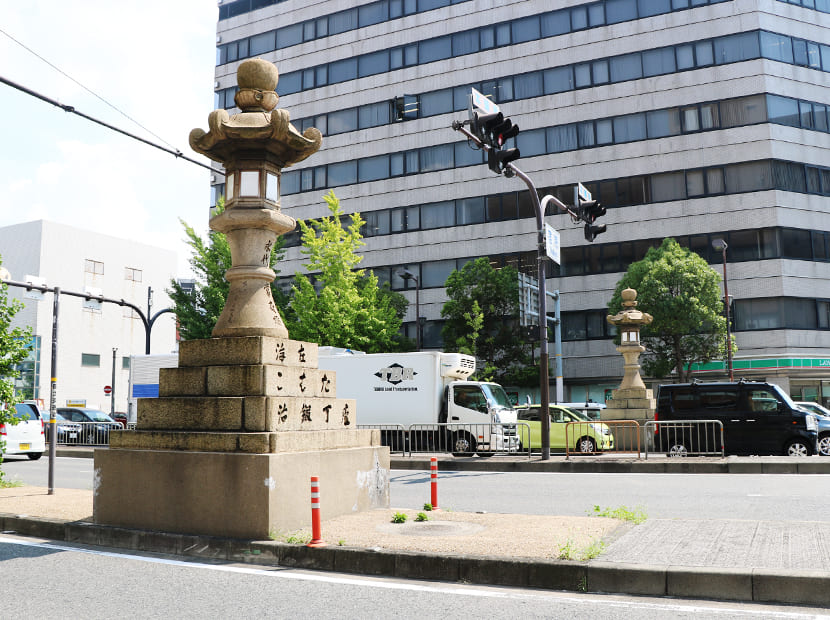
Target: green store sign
<point>765,364</point>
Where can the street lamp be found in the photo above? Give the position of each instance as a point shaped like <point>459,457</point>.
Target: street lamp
<point>720,244</point>
<point>408,275</point>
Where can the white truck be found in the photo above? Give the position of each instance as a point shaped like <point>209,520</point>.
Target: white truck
<point>425,397</point>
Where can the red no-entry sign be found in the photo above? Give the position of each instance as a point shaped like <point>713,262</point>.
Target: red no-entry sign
<point>107,390</point>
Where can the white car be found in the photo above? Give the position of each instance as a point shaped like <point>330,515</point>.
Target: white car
<point>25,437</point>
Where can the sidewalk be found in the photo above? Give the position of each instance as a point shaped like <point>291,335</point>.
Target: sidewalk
<point>743,560</point>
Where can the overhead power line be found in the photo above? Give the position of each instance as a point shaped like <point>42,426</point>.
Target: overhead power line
<point>68,108</point>
<point>90,91</point>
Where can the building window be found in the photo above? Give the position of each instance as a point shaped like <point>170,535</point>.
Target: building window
<point>132,274</point>
<point>90,359</point>
<point>94,267</point>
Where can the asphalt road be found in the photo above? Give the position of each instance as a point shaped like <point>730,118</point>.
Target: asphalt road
<point>98,584</point>
<point>775,497</point>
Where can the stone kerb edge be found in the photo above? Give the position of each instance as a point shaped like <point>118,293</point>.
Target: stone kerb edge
<point>803,587</point>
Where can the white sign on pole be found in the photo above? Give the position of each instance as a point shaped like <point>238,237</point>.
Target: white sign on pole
<point>483,103</point>
<point>93,304</point>
<point>582,193</point>
<point>552,243</point>
<point>33,294</point>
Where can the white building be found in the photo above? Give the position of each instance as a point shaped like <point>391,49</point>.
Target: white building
<point>81,261</point>
<point>692,119</point>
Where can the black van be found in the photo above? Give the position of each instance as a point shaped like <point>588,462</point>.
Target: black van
<point>757,417</point>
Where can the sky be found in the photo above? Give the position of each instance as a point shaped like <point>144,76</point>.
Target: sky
<point>153,61</point>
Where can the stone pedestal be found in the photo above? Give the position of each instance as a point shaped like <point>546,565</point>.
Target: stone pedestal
<point>631,403</point>
<point>230,445</point>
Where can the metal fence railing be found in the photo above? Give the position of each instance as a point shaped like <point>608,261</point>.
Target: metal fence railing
<point>679,438</point>
<point>459,439</point>
<point>82,433</point>
<point>394,436</point>
<point>602,437</point>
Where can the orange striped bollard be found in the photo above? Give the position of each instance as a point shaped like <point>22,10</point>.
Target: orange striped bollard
<point>433,474</point>
<point>316,530</point>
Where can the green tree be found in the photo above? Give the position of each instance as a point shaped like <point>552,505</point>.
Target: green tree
<point>349,310</point>
<point>482,319</point>
<point>679,289</point>
<point>198,311</point>
<point>14,347</point>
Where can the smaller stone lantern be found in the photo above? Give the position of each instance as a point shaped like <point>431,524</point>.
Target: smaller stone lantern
<point>628,321</point>
<point>631,401</point>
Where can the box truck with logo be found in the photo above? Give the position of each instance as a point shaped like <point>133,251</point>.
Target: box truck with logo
<point>426,388</point>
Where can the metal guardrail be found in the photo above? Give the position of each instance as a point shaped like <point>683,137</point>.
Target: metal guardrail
<point>602,437</point>
<point>83,433</point>
<point>394,436</point>
<point>485,439</point>
<point>679,438</point>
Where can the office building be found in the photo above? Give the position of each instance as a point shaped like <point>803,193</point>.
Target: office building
<point>693,119</point>
<point>95,340</point>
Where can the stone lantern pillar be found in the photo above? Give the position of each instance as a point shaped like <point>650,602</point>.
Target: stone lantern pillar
<point>240,426</point>
<point>631,401</point>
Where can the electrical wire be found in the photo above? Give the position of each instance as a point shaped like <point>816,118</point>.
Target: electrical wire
<point>94,94</point>
<point>68,108</point>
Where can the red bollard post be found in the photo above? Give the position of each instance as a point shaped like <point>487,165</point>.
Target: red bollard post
<point>316,530</point>
<point>433,474</point>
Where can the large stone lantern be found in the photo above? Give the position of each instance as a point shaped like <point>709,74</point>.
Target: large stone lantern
<point>247,417</point>
<point>253,146</point>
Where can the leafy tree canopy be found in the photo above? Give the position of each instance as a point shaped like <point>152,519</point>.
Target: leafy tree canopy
<point>14,348</point>
<point>682,292</point>
<point>198,310</point>
<point>345,308</point>
<point>482,320</point>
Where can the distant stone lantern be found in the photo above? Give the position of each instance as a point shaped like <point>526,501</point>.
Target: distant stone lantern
<point>629,321</point>
<point>253,146</point>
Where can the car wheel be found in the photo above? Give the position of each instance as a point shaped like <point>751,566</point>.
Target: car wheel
<point>678,450</point>
<point>824,445</point>
<point>33,456</point>
<point>586,445</point>
<point>463,444</point>
<point>798,448</point>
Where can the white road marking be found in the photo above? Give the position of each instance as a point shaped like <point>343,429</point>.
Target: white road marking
<point>523,595</point>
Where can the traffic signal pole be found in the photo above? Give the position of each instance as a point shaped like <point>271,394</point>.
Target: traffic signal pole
<point>541,257</point>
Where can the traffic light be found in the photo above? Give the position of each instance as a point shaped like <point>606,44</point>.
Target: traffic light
<point>588,211</point>
<point>494,130</point>
<point>483,124</point>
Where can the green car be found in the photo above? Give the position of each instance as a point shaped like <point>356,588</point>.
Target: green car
<point>584,435</point>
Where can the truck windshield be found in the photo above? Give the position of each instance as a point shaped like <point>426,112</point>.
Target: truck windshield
<point>496,395</point>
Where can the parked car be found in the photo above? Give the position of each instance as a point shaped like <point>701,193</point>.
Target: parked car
<point>584,435</point>
<point>757,417</point>
<point>96,425</point>
<point>823,415</point>
<point>67,432</point>
<point>588,408</point>
<point>26,436</point>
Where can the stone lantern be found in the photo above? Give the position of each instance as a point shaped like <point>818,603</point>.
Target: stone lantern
<point>247,417</point>
<point>253,146</point>
<point>631,401</point>
<point>628,321</point>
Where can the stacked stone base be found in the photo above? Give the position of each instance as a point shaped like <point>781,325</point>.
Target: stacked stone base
<point>230,445</point>
<point>634,403</point>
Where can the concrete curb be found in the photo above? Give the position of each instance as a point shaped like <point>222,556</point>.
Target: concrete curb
<point>587,464</point>
<point>750,585</point>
